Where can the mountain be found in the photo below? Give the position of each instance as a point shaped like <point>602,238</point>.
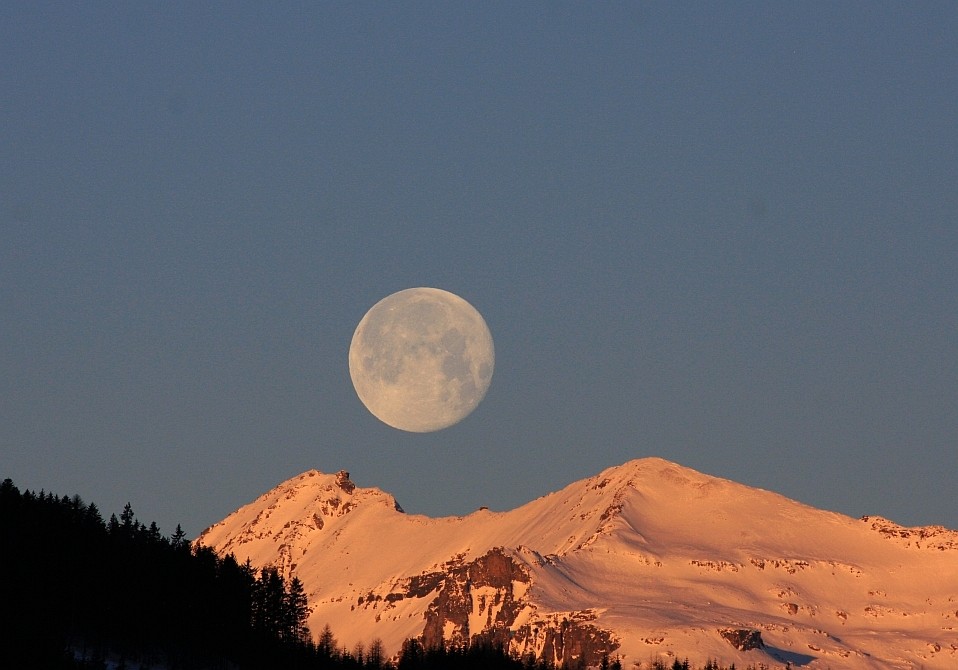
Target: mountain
<point>644,560</point>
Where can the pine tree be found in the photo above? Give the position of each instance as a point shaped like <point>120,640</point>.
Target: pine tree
<point>8,491</point>
<point>269,604</point>
<point>375,655</point>
<point>359,653</point>
<point>92,515</point>
<point>296,612</point>
<point>327,643</point>
<point>178,539</point>
<point>412,656</point>
<point>128,520</point>
<point>77,504</point>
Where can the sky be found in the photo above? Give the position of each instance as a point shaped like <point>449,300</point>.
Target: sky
<point>724,234</point>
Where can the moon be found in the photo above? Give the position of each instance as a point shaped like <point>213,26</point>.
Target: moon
<point>421,359</point>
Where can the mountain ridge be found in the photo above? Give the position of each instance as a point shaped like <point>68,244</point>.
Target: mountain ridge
<point>648,558</point>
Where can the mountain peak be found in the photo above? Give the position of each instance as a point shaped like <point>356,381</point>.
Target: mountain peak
<point>294,510</point>
<point>645,559</point>
<point>654,468</point>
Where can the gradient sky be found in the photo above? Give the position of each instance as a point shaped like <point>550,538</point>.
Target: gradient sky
<point>725,234</point>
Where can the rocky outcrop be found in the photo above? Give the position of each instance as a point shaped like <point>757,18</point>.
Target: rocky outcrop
<point>743,639</point>
<point>343,482</point>
<point>569,640</point>
<point>480,592</point>
<point>482,600</point>
<point>922,537</point>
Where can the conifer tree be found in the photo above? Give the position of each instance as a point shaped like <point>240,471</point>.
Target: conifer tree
<point>296,611</point>
<point>359,653</point>
<point>128,520</point>
<point>178,539</point>
<point>327,643</point>
<point>375,655</point>
<point>92,515</point>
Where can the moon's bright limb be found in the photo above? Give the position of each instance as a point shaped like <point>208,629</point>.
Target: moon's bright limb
<point>421,359</point>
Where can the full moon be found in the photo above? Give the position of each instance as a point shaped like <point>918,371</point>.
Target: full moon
<point>421,359</point>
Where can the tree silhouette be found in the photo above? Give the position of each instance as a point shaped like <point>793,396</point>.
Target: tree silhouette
<point>326,645</point>
<point>296,612</point>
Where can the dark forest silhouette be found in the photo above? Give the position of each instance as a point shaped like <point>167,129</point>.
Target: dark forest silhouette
<point>73,586</point>
<point>80,592</point>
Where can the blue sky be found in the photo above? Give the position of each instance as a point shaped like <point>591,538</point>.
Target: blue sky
<point>720,233</point>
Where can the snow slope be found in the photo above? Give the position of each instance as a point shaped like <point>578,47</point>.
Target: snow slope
<point>645,559</point>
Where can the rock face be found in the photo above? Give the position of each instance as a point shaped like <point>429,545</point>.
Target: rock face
<point>929,537</point>
<point>566,640</point>
<point>487,591</point>
<point>483,599</point>
<point>743,639</point>
<point>343,481</point>
<point>647,560</point>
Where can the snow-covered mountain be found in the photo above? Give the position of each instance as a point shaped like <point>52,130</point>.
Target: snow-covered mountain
<point>644,560</point>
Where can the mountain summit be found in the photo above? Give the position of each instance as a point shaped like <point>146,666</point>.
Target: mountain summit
<point>647,559</point>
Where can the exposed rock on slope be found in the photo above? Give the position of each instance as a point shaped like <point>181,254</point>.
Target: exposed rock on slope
<point>645,559</point>
<point>743,640</point>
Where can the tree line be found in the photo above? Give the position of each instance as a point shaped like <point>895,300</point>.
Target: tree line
<point>81,593</point>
